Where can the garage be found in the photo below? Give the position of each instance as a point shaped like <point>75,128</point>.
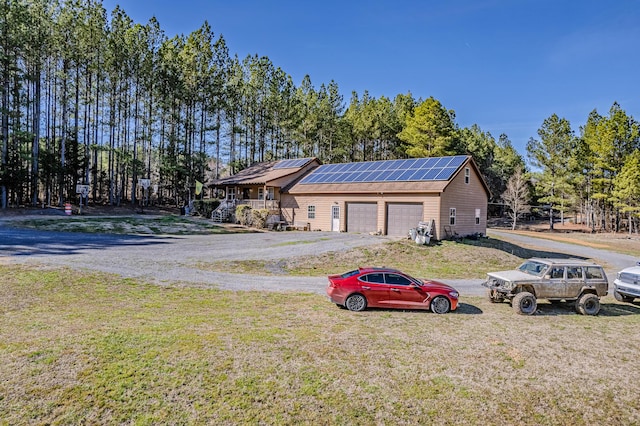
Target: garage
<point>403,216</point>
<point>362,217</point>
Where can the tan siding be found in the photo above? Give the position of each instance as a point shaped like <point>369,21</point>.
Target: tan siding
<point>294,208</point>
<point>465,198</point>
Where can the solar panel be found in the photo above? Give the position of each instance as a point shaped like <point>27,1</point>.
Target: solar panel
<point>413,169</point>
<point>431,174</point>
<point>289,164</point>
<point>445,173</point>
<point>457,161</point>
<point>395,174</point>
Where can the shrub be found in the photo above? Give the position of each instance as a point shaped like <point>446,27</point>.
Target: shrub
<point>243,215</point>
<point>259,218</point>
<point>206,207</point>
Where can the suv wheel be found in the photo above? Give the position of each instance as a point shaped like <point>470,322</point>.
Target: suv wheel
<point>621,297</point>
<point>524,303</point>
<point>588,304</point>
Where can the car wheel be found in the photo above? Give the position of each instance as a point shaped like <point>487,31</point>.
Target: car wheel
<point>440,305</point>
<point>524,303</point>
<point>356,302</point>
<point>588,304</point>
<point>494,297</point>
<point>622,298</point>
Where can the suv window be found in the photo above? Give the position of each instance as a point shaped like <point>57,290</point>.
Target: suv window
<point>594,273</point>
<point>557,272</point>
<point>396,279</point>
<point>574,272</point>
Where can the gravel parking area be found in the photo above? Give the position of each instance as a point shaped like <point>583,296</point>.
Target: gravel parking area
<point>169,259</point>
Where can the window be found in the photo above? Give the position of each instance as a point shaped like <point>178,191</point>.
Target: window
<point>311,212</point>
<point>557,272</point>
<point>269,193</point>
<point>574,272</point>
<point>452,216</point>
<point>594,273</point>
<point>477,216</point>
<point>377,278</point>
<point>467,175</point>
<point>396,279</point>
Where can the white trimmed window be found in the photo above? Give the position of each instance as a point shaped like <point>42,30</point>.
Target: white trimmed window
<point>452,216</point>
<point>270,193</point>
<point>311,212</point>
<point>467,175</point>
<point>477,216</point>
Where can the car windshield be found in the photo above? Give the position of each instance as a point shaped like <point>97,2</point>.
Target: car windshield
<point>414,280</point>
<point>532,267</point>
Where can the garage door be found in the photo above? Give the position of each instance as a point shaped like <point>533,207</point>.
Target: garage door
<point>403,216</point>
<point>362,217</point>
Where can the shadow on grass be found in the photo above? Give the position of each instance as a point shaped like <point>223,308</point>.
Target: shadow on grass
<point>463,308</point>
<point>514,249</point>
<point>568,308</point>
<point>467,309</point>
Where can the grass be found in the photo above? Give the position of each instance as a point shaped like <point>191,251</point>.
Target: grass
<point>446,259</point>
<point>92,348</point>
<point>168,224</point>
<point>618,243</point>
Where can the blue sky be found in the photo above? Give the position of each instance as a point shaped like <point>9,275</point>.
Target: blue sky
<point>505,65</point>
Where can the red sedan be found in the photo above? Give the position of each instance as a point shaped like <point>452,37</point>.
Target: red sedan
<point>390,288</point>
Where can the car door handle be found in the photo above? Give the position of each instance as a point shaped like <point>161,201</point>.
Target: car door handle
<point>364,287</point>
<point>396,290</point>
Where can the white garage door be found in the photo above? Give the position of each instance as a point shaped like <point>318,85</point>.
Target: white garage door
<point>362,217</point>
<point>403,216</point>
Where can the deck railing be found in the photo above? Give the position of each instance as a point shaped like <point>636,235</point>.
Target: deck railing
<point>261,204</point>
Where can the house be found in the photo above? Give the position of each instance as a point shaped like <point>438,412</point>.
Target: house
<point>387,197</point>
<point>390,197</point>
<point>259,185</point>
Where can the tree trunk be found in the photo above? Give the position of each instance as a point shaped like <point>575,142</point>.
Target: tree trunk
<point>35,148</point>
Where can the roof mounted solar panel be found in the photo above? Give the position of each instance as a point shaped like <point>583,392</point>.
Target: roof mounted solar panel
<point>292,163</point>
<point>413,169</point>
<point>445,173</point>
<point>433,174</point>
<point>457,161</point>
<point>395,174</point>
<point>442,162</point>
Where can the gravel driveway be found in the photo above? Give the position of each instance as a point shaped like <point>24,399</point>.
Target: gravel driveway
<point>167,259</point>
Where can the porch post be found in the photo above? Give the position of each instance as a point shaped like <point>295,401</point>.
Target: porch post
<point>265,195</point>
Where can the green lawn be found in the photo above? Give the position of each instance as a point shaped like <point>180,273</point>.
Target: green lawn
<point>90,348</point>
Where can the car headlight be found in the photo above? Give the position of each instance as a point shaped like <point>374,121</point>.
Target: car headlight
<point>454,294</point>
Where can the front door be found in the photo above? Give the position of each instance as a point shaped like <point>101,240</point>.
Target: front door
<point>335,218</point>
<point>402,294</point>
